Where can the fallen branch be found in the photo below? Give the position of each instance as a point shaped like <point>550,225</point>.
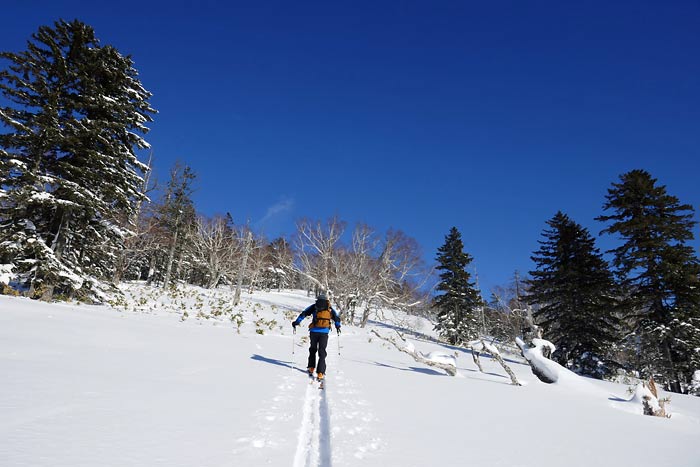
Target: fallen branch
<point>496,355</point>
<point>450,369</point>
<point>476,353</point>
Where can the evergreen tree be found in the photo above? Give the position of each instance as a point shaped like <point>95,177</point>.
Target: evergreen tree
<point>660,275</point>
<point>69,169</point>
<point>176,217</point>
<point>458,306</point>
<point>574,290</point>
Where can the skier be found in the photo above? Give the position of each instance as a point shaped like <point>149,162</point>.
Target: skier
<point>322,314</point>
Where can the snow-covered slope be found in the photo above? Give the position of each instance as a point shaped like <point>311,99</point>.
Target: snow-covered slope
<point>100,386</point>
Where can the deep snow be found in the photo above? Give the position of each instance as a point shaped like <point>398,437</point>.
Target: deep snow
<point>98,386</point>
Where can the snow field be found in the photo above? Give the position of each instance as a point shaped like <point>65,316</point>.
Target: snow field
<point>87,385</point>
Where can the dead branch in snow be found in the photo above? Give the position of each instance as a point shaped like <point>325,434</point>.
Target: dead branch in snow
<point>417,356</point>
<point>493,352</point>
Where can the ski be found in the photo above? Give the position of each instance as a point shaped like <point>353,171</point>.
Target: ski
<point>313,379</point>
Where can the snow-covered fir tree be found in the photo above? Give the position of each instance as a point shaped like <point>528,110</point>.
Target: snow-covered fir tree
<point>574,289</point>
<point>74,114</point>
<point>660,275</point>
<point>459,303</point>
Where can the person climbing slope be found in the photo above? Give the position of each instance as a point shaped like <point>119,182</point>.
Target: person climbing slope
<point>322,316</point>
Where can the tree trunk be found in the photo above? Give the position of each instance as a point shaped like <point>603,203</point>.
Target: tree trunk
<point>365,316</point>
<point>58,247</point>
<point>119,269</point>
<point>171,256</point>
<point>499,359</point>
<point>214,280</point>
<point>541,372</point>
<point>151,270</point>
<point>496,356</point>
<point>672,381</point>
<point>241,271</point>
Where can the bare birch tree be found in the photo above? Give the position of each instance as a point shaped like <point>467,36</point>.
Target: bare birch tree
<point>257,262</point>
<point>247,239</point>
<point>390,278</point>
<point>212,245</point>
<point>316,244</point>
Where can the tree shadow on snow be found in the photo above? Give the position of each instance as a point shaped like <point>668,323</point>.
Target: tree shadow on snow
<point>493,374</point>
<point>411,332</point>
<point>426,371</point>
<point>615,398</point>
<point>273,361</point>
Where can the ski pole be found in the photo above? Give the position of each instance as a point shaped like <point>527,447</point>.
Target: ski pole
<point>338,342</point>
<point>294,333</point>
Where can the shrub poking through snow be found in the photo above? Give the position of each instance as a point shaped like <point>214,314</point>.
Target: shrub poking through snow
<point>647,395</point>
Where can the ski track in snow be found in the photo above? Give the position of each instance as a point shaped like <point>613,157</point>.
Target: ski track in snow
<point>313,445</point>
<point>334,426</point>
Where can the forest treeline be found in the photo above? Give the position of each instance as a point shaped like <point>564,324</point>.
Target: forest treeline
<point>79,215</point>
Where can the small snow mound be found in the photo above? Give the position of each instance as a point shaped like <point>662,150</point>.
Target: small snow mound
<point>441,357</point>
<point>640,392</point>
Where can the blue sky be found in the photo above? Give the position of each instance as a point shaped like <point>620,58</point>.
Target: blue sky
<point>489,116</point>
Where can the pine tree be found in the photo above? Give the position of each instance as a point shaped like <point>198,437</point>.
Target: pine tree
<point>660,275</point>
<point>75,110</point>
<point>458,306</point>
<point>574,290</point>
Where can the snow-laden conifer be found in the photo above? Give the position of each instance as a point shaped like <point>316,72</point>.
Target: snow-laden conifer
<point>574,291</point>
<point>459,302</point>
<point>660,274</point>
<point>70,177</point>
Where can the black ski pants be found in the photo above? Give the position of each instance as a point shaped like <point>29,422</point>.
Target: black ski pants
<point>319,341</point>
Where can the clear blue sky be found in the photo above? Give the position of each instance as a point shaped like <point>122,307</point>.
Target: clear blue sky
<point>489,116</point>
